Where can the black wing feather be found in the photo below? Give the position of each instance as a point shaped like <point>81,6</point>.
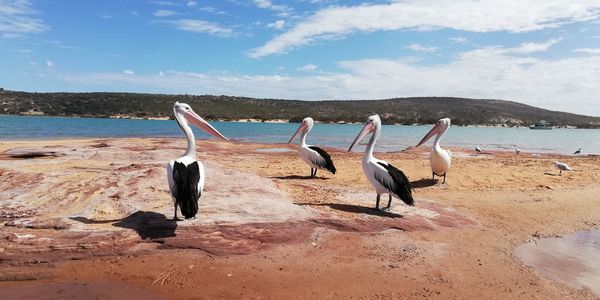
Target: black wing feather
<point>328,162</point>
<point>185,189</point>
<point>401,186</point>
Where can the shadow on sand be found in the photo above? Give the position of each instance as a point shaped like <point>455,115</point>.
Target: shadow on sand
<point>357,209</point>
<point>299,177</point>
<point>551,174</point>
<point>423,183</point>
<point>147,224</point>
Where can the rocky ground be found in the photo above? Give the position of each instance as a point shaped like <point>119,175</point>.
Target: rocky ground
<point>82,217</point>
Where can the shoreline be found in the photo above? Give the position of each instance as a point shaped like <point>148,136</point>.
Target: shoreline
<point>276,121</point>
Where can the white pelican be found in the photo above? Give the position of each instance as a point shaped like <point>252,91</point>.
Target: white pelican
<point>578,151</point>
<point>518,151</point>
<point>562,167</point>
<point>440,159</point>
<point>385,178</point>
<point>186,174</point>
<point>313,156</point>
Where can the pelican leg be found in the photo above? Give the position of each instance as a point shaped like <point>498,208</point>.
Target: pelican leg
<point>389,203</point>
<point>311,172</point>
<point>315,172</point>
<point>444,181</point>
<point>559,172</point>
<point>175,214</point>
<point>377,203</point>
<point>432,177</point>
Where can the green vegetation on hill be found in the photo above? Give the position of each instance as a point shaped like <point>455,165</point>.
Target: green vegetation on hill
<point>415,110</point>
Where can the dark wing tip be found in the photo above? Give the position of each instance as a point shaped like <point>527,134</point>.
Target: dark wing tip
<point>328,162</point>
<point>402,186</point>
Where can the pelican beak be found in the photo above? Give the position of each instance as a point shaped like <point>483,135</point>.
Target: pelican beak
<point>435,130</point>
<point>195,119</point>
<point>369,127</point>
<point>300,130</point>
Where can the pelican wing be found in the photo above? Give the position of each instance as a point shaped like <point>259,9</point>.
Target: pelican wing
<point>185,187</point>
<point>397,183</point>
<point>325,160</point>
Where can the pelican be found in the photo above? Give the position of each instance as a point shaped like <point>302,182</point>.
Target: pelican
<point>518,151</point>
<point>440,159</point>
<point>577,152</point>
<point>385,178</point>
<point>562,167</point>
<point>185,174</point>
<point>313,156</point>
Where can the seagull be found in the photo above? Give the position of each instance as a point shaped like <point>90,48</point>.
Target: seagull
<point>518,150</point>
<point>478,149</point>
<point>578,151</point>
<point>562,167</point>
<point>185,175</point>
<point>315,157</point>
<point>385,178</point>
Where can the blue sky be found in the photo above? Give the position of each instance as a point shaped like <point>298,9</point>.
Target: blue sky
<point>542,53</point>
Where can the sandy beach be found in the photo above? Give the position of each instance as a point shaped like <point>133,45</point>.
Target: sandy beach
<point>92,218</point>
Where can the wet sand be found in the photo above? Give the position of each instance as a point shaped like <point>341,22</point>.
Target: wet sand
<point>85,215</point>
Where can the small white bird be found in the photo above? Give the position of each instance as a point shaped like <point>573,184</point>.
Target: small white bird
<point>578,151</point>
<point>562,167</point>
<point>518,150</point>
<point>478,149</point>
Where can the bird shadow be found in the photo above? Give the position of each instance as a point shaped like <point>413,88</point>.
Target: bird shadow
<point>299,177</point>
<point>147,224</point>
<point>357,209</point>
<point>551,174</point>
<point>423,183</point>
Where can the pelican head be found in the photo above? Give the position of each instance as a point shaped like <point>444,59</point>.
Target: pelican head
<point>440,127</point>
<point>305,126</point>
<point>373,124</point>
<point>184,113</point>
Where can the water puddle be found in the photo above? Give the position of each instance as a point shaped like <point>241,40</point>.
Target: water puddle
<point>78,290</point>
<point>274,150</point>
<point>573,259</point>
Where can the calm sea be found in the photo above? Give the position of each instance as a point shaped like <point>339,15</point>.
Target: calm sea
<point>393,138</point>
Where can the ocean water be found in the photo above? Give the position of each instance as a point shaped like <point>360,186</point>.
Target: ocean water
<point>393,138</point>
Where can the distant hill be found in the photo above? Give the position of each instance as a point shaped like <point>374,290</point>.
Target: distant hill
<point>415,110</point>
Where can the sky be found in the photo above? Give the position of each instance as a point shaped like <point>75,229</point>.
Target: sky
<point>544,53</point>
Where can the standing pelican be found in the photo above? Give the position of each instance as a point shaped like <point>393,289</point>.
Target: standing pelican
<point>518,151</point>
<point>314,156</point>
<point>385,178</point>
<point>186,174</point>
<point>440,159</point>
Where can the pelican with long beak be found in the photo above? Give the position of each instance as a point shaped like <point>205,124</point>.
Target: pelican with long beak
<point>385,178</point>
<point>185,174</point>
<point>440,158</point>
<point>313,156</point>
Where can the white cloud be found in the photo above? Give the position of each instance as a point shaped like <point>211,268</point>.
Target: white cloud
<point>191,3</point>
<point>105,16</point>
<point>459,40</point>
<point>134,13</point>
<point>200,26</point>
<point>492,73</point>
<point>464,15</point>
<point>535,47</point>
<point>421,48</point>
<point>161,73</point>
<point>18,17</point>
<point>49,63</point>
<point>592,51</point>
<point>267,4</point>
<point>164,13</point>
<point>128,72</point>
<point>279,24</point>
<point>308,68</point>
